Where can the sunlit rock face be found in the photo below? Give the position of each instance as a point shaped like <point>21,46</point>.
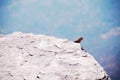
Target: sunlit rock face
<point>39,57</point>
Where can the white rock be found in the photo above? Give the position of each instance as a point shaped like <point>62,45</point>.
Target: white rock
<point>40,57</point>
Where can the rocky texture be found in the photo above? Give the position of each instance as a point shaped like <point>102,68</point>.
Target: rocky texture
<point>39,57</point>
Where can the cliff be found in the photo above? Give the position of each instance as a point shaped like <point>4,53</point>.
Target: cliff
<point>40,57</point>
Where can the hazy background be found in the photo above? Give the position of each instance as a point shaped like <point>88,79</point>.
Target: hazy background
<point>98,21</point>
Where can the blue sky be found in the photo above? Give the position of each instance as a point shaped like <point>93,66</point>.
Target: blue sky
<point>98,21</point>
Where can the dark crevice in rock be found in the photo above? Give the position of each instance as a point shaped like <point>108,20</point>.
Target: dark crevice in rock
<point>56,53</point>
<point>57,46</point>
<point>19,47</point>
<point>26,61</point>
<point>95,64</point>
<point>70,52</point>
<point>37,77</point>
<point>10,74</point>
<point>32,41</point>
<point>74,64</point>
<point>85,55</point>
<point>104,78</point>
<point>42,55</point>
<point>30,54</point>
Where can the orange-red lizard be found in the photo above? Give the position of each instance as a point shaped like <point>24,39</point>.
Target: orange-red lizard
<point>79,40</point>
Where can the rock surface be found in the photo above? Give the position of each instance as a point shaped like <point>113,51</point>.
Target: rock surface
<point>39,57</point>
